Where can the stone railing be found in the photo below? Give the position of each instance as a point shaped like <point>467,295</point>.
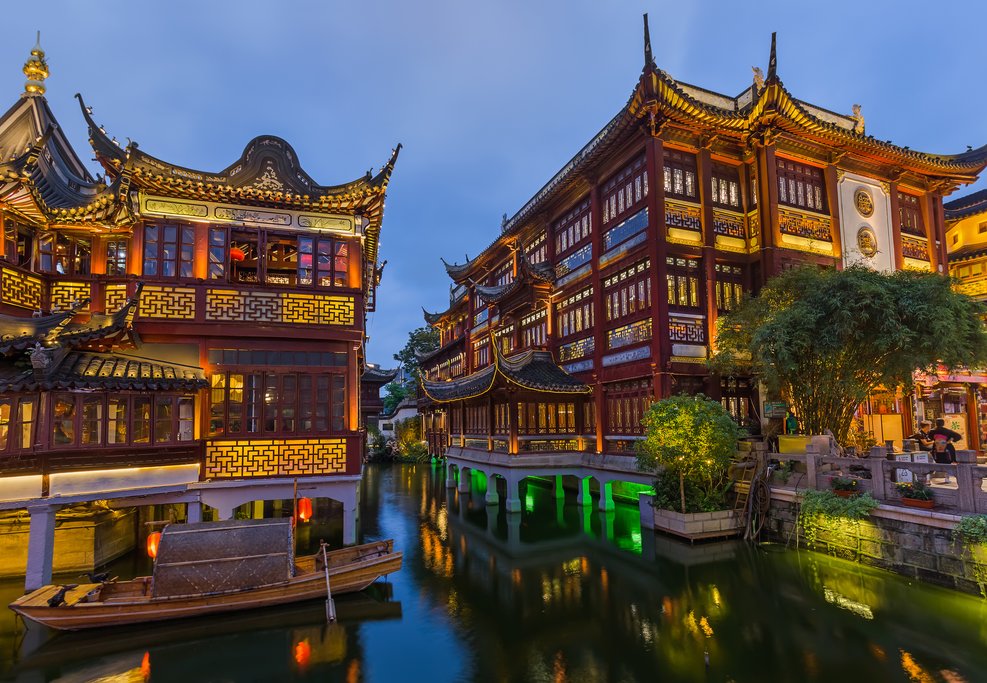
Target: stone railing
<point>958,488</point>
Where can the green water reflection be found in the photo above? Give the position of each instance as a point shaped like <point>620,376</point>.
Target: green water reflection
<point>558,592</point>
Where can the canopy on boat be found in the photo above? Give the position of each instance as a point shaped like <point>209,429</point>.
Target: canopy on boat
<point>207,558</point>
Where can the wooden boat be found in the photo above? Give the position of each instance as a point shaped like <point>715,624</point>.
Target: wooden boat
<point>209,568</point>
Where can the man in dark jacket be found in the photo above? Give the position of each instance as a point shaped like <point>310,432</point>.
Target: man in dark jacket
<point>944,453</point>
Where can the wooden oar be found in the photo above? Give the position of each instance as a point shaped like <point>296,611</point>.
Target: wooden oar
<point>330,605</point>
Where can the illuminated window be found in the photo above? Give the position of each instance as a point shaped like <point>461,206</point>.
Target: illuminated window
<point>682,276</point>
<point>64,254</point>
<point>725,190</point>
<point>169,251</point>
<point>801,186</point>
<point>573,228</point>
<point>116,257</point>
<point>680,175</point>
<point>911,216</point>
<point>626,191</point>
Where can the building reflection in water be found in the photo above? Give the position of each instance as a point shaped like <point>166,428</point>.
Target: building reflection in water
<point>564,593</point>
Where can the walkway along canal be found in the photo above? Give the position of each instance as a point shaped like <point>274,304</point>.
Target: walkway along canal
<point>555,592</point>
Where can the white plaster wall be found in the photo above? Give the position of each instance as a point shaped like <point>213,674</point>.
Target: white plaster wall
<point>851,221</point>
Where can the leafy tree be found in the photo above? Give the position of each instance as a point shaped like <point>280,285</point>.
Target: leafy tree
<point>691,438</point>
<point>394,393</point>
<point>824,339</point>
<point>420,342</point>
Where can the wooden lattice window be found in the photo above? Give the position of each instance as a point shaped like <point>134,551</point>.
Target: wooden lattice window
<point>801,186</point>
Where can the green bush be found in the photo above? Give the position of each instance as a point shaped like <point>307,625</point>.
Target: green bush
<point>690,439</point>
<point>972,530</point>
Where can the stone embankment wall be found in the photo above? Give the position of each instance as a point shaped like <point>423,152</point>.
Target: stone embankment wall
<point>82,541</point>
<point>917,544</point>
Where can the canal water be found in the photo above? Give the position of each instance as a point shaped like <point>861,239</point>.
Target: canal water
<point>557,593</point>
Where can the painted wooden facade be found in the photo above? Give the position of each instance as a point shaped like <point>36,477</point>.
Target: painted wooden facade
<point>165,315</point>
<point>615,272</point>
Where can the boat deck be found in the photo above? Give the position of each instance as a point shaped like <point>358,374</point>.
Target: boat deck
<point>73,596</point>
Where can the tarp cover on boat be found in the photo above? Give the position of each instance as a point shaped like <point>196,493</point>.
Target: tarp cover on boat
<point>220,557</point>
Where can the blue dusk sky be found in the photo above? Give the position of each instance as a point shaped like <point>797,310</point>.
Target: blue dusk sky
<point>490,99</point>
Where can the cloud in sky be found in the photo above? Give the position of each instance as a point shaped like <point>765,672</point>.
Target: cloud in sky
<point>489,99</point>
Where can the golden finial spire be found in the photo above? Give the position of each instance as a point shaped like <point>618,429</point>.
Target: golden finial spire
<point>36,70</point>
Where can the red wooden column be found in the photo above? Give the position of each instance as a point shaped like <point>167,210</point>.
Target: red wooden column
<point>3,238</point>
<point>490,418</point>
<point>767,205</point>
<point>899,254</point>
<point>599,333</point>
<point>661,345</point>
<point>938,214</point>
<point>705,170</point>
<point>927,207</point>
<point>833,199</point>
<point>512,408</point>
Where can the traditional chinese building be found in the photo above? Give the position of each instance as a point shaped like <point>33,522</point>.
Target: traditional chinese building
<point>199,333</point>
<point>602,292</point>
<point>371,382</point>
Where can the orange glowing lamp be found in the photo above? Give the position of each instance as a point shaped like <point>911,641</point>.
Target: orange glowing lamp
<point>303,653</point>
<point>304,509</point>
<point>153,541</point>
<point>237,255</point>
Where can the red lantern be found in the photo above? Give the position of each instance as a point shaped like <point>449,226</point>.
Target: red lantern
<point>153,540</point>
<point>303,653</point>
<point>237,255</point>
<point>304,509</point>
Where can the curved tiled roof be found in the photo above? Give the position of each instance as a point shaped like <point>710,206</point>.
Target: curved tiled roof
<point>19,333</point>
<point>969,205</point>
<point>657,98</point>
<point>534,370</point>
<point>86,370</point>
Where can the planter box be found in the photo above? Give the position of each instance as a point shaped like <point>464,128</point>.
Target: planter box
<point>915,503</point>
<point>698,525</point>
<point>844,493</point>
<point>788,443</point>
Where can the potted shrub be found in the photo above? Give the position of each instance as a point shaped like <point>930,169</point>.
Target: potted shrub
<point>916,494</point>
<point>688,444</point>
<point>844,487</point>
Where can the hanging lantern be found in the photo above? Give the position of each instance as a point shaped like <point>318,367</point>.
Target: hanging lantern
<point>153,540</point>
<point>237,255</point>
<point>304,509</point>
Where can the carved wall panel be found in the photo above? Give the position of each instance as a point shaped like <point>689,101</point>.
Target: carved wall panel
<point>805,225</point>
<point>280,307</point>
<point>275,458</point>
<point>22,290</point>
<point>167,302</point>
<point>115,298</point>
<point>64,293</point>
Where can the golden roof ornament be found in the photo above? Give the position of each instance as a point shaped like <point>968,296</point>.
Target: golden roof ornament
<point>758,79</point>
<point>36,70</point>
<point>858,120</point>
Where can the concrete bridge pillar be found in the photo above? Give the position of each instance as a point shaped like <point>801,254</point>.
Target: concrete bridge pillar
<point>224,512</point>
<point>349,522</point>
<point>606,496</point>
<point>450,476</point>
<point>492,497</point>
<point>193,513</point>
<point>513,531</point>
<point>40,547</point>
<point>513,502</point>
<point>583,497</point>
<point>559,491</point>
<point>465,474</point>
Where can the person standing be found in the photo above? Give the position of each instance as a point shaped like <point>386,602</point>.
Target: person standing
<point>943,439</point>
